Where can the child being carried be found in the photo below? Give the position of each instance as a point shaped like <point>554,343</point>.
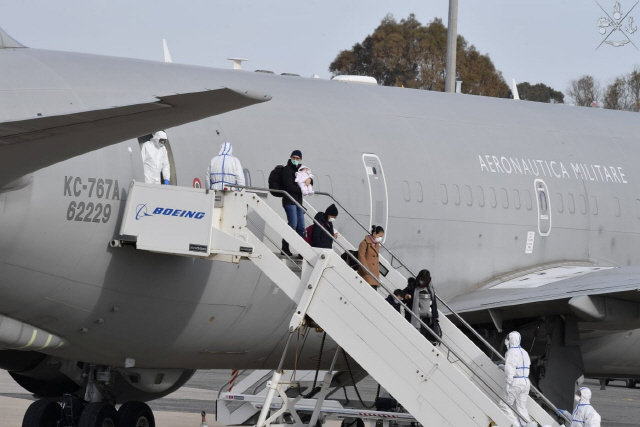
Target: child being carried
<point>302,175</point>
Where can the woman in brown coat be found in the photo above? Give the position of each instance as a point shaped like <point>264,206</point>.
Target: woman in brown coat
<point>368,255</point>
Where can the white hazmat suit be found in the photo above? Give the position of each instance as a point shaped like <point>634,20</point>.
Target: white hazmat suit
<point>225,170</point>
<point>516,391</point>
<point>156,160</point>
<point>584,415</point>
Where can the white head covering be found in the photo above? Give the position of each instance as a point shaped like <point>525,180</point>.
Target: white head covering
<point>225,148</point>
<point>585,395</point>
<point>157,137</point>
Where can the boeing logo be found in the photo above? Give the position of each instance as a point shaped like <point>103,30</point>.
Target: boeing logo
<point>141,211</point>
<point>182,213</point>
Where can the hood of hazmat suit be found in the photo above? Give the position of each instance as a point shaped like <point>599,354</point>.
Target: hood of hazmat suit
<point>157,137</point>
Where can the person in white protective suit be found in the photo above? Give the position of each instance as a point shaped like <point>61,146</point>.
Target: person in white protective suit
<point>516,390</point>
<point>225,170</point>
<point>584,415</point>
<point>155,159</point>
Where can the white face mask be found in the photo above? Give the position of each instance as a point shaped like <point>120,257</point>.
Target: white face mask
<point>331,219</point>
<point>506,342</point>
<point>378,239</point>
<point>576,398</point>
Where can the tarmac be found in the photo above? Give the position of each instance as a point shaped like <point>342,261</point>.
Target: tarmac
<point>619,406</point>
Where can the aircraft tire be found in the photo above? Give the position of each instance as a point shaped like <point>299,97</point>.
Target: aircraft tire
<point>99,414</point>
<point>631,383</point>
<point>135,414</point>
<point>42,413</point>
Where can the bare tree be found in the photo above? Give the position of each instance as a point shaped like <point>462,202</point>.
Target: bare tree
<point>585,91</point>
<point>616,94</point>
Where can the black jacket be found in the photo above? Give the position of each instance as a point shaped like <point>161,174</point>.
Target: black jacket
<point>319,238</point>
<point>290,185</point>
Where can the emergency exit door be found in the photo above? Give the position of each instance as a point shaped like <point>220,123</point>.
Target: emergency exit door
<point>379,204</point>
<point>544,207</point>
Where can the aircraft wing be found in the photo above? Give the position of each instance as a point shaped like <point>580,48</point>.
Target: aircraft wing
<point>29,145</point>
<point>609,296</point>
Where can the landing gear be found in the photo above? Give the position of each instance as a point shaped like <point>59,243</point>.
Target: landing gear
<point>135,414</point>
<point>631,383</point>
<point>99,414</point>
<point>42,413</point>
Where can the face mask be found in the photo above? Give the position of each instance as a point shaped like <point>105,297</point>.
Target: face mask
<point>576,398</point>
<point>506,342</point>
<point>331,219</point>
<point>378,239</point>
<point>295,162</point>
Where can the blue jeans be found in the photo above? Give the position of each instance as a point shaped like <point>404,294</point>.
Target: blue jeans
<point>295,218</point>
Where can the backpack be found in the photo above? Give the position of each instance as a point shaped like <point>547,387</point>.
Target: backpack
<point>350,262</point>
<point>275,181</point>
<point>308,234</point>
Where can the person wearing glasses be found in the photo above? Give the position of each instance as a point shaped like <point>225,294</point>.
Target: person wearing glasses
<point>155,160</point>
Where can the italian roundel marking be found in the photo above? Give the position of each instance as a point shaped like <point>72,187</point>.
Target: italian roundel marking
<point>197,183</point>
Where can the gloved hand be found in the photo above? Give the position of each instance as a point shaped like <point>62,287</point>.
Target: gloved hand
<point>166,182</point>
<point>562,412</point>
<point>501,367</point>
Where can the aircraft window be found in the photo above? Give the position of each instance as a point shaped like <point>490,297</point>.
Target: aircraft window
<point>583,204</point>
<point>560,203</point>
<point>571,202</point>
<point>329,186</point>
<point>172,166</point>
<point>260,180</point>
<point>468,195</point>
<point>481,197</point>
<point>594,205</point>
<point>505,199</point>
<point>419,194</point>
<point>527,198</point>
<point>406,191</point>
<point>492,197</point>
<point>247,177</point>
<point>516,199</point>
<point>456,194</point>
<point>616,206</point>
<point>444,197</point>
<point>543,201</point>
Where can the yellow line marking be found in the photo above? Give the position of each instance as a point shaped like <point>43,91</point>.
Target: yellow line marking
<point>33,338</point>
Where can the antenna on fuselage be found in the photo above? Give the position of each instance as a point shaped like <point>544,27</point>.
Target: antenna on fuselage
<point>237,63</point>
<point>167,55</point>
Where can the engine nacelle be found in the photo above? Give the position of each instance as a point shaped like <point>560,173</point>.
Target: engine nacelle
<point>48,376</point>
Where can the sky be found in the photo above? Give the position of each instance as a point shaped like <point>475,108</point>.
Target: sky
<point>544,41</point>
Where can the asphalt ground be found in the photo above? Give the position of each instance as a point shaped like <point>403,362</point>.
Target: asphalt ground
<point>618,405</point>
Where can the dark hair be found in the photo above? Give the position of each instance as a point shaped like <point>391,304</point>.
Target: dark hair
<point>398,293</point>
<point>411,282</point>
<point>376,229</point>
<point>425,276</point>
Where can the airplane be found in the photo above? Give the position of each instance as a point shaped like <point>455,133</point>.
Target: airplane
<point>526,214</point>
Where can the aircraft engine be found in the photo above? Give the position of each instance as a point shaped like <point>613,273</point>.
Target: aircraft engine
<point>48,376</point>
<point>40,374</point>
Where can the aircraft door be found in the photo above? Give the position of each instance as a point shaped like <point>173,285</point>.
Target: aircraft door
<point>379,204</point>
<point>544,207</point>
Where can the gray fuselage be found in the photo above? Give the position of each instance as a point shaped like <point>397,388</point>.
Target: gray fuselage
<point>460,200</point>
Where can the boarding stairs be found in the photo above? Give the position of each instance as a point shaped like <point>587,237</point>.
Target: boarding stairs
<point>452,383</point>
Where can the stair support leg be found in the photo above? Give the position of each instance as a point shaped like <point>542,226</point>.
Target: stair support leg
<point>324,390</point>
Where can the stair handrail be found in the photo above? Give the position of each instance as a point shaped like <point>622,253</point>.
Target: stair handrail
<point>535,390</point>
<point>412,314</point>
